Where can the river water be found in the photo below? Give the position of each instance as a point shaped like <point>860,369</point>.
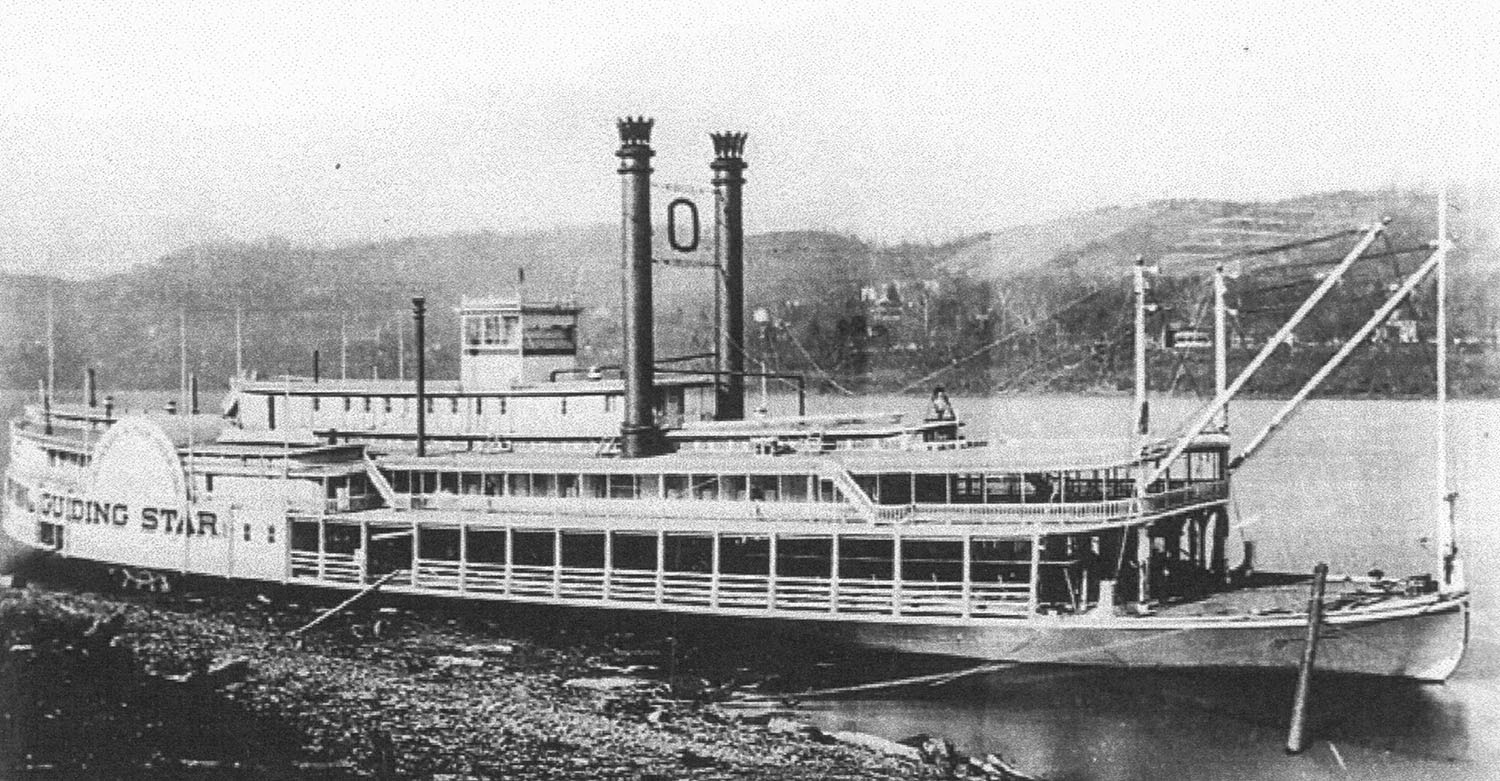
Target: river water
<point>1352,483</point>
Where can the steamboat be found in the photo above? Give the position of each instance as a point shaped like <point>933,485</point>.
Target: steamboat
<point>644,487</point>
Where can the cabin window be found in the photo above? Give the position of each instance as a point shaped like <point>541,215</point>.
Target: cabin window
<point>247,532</point>
<point>792,488</point>
<point>804,557</point>
<point>1000,561</point>
<point>868,484</point>
<point>934,561</point>
<point>633,551</point>
<point>341,538</point>
<point>583,549</point>
<point>732,487</point>
<point>763,488</point>
<point>895,488</point>
<point>676,486</point>
<point>317,402</point>
<point>348,403</point>
<point>592,486</point>
<point>1206,466</point>
<point>431,405</point>
<point>544,485</point>
<point>208,483</point>
<point>448,482</point>
<point>688,553</point>
<point>478,406</point>
<point>827,491</point>
<point>271,534</point>
<point>502,405</point>
<point>564,403</point>
<point>865,558</point>
<point>744,555</point>
<point>304,535</point>
<point>930,489</point>
<point>567,485</point>
<point>518,484</point>
<point>387,400</point>
<point>622,487</point>
<point>438,543</point>
<point>470,483</point>
<point>648,485</point>
<point>486,547</point>
<point>401,482</point>
<point>429,482</point>
<point>532,548</point>
<point>494,485</point>
<point>608,403</point>
<point>367,403</point>
<point>704,487</point>
<point>453,405</point>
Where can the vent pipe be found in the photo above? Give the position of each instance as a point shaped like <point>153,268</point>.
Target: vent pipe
<point>638,433</point>
<point>419,317</point>
<point>729,181</point>
<point>89,393</point>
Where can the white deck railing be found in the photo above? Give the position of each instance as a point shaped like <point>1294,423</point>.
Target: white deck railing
<point>782,593</point>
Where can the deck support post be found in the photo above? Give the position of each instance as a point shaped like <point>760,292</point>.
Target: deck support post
<point>609,561</point>
<point>510,558</point>
<point>1033,599</point>
<point>322,549</point>
<point>966,579</point>
<point>715,559</point>
<point>833,572</point>
<point>364,552</point>
<point>896,574</point>
<point>661,566</point>
<point>463,557</point>
<point>556,563</point>
<point>1296,733</point>
<point>771,572</point>
<point>416,548</point>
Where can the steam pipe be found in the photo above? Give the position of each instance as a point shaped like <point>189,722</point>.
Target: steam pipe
<point>419,316</point>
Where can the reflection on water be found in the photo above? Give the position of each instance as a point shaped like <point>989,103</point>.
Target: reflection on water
<point>1107,724</point>
<point>1353,483</point>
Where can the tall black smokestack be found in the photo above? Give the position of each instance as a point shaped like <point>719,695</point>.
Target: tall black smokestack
<point>638,432</point>
<point>729,182</point>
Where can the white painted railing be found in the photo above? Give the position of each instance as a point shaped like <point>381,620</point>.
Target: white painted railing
<point>835,596</point>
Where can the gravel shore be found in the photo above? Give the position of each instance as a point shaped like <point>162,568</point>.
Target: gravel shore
<point>105,685</point>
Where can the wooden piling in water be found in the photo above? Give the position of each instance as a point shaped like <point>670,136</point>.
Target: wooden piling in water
<point>1296,734</point>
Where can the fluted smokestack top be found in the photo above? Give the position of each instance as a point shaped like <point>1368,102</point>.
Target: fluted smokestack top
<point>635,131</point>
<point>728,145</point>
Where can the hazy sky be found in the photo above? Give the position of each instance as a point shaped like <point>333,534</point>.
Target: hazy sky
<point>131,129</point>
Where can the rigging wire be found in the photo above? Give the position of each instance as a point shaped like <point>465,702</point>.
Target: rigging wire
<point>956,362</point>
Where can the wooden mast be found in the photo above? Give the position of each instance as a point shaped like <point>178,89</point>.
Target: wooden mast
<point>1452,572</point>
<point>1221,347</point>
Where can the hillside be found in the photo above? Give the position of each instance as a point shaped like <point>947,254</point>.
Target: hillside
<point>1029,307</point>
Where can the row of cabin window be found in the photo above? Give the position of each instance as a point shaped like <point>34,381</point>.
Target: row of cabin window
<point>770,488</point>
<point>66,457</point>
<point>388,404</point>
<point>801,556</point>
<point>901,488</point>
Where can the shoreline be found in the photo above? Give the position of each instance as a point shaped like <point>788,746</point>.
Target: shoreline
<point>217,687</point>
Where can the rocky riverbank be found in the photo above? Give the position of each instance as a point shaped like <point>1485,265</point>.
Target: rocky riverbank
<point>125,685</point>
